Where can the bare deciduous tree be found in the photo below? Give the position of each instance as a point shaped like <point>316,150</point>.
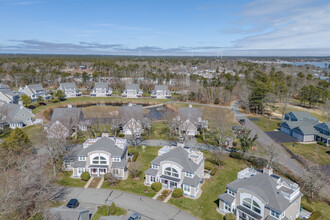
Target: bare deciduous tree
<point>314,180</point>
<point>135,169</point>
<point>273,153</point>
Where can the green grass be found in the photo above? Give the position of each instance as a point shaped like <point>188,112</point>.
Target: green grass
<point>159,131</point>
<point>5,133</point>
<point>312,152</point>
<point>88,99</point>
<point>34,133</point>
<point>104,211</point>
<point>205,206</point>
<point>320,206</point>
<point>266,124</point>
<point>64,179</point>
<point>136,185</point>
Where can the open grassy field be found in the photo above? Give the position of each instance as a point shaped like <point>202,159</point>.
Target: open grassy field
<point>313,152</point>
<point>320,206</point>
<point>136,185</point>
<point>159,131</point>
<point>88,99</point>
<point>205,206</point>
<point>266,124</point>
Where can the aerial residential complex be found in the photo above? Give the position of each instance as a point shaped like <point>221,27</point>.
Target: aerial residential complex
<point>34,91</point>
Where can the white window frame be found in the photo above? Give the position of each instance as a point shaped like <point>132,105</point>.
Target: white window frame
<point>187,174</point>
<point>275,214</point>
<point>186,188</point>
<point>116,159</point>
<point>227,207</point>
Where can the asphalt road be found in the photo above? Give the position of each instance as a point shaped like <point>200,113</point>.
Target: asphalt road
<point>147,207</point>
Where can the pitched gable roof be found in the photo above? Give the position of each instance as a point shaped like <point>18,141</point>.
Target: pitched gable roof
<point>35,87</point>
<point>68,85</point>
<point>133,86</point>
<point>104,144</point>
<point>10,111</point>
<point>179,156</point>
<point>161,87</point>
<point>67,116</point>
<point>189,113</point>
<point>129,112</point>
<point>102,85</point>
<point>301,115</point>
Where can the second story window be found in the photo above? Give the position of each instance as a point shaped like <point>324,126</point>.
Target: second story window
<point>171,172</point>
<point>230,192</point>
<point>251,204</point>
<point>116,159</point>
<point>274,214</point>
<point>189,175</point>
<point>154,166</point>
<point>99,160</point>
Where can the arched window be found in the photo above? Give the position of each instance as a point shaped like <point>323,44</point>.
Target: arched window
<point>252,204</point>
<point>99,160</point>
<point>171,172</point>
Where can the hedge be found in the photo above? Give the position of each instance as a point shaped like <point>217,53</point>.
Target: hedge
<point>213,171</point>
<point>236,155</point>
<point>208,166</point>
<point>177,193</point>
<point>229,216</point>
<point>156,186</point>
<point>321,143</point>
<point>85,176</point>
<point>316,215</point>
<point>307,208</point>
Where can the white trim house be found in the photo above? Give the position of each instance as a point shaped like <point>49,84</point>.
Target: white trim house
<point>70,89</point>
<point>132,91</point>
<point>177,167</point>
<point>161,92</point>
<point>101,89</point>
<point>34,91</point>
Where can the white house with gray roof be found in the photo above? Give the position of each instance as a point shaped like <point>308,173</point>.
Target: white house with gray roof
<point>131,120</point>
<point>260,194</point>
<point>305,127</point>
<point>101,89</point>
<point>70,89</point>
<point>132,91</point>
<point>14,115</point>
<point>177,167</point>
<point>189,121</point>
<point>34,91</point>
<point>8,96</point>
<point>161,92</point>
<point>102,155</point>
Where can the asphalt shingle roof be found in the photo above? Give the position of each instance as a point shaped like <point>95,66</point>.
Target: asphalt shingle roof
<point>104,144</point>
<point>133,86</point>
<point>67,116</point>
<point>189,113</point>
<point>68,85</point>
<point>180,156</point>
<point>192,181</point>
<point>35,87</point>
<point>161,87</point>
<point>129,112</point>
<point>102,85</point>
<point>229,199</point>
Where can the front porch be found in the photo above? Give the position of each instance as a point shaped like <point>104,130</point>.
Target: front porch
<point>98,171</point>
<point>243,213</point>
<point>169,182</point>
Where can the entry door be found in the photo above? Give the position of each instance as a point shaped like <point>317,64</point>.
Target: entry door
<point>173,185</point>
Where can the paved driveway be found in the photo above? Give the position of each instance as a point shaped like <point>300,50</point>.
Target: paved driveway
<point>281,137</point>
<point>149,208</point>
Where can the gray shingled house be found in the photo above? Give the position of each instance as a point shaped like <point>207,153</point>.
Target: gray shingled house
<point>161,92</point>
<point>101,89</point>
<point>261,195</point>
<point>305,127</point>
<point>70,89</point>
<point>14,115</point>
<point>189,121</point>
<point>131,119</point>
<point>65,121</point>
<point>132,91</point>
<point>177,167</point>
<point>9,96</point>
<point>34,91</point>
<point>102,155</point>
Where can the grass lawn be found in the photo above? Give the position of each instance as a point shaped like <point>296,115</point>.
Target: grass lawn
<point>34,133</point>
<point>64,179</point>
<point>159,131</point>
<point>266,124</point>
<point>88,99</point>
<point>312,152</point>
<point>205,206</point>
<point>136,185</point>
<point>318,206</point>
<point>104,211</point>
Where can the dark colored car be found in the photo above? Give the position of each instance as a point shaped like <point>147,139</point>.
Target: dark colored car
<point>242,121</point>
<point>135,216</point>
<point>73,203</point>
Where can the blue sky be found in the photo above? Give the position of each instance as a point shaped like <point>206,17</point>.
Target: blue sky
<point>166,27</point>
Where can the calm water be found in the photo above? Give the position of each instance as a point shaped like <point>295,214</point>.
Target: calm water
<point>323,65</point>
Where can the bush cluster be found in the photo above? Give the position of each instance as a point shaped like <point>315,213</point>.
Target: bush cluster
<point>156,186</point>
<point>316,215</point>
<point>307,208</point>
<point>213,171</point>
<point>85,176</point>
<point>112,209</point>
<point>208,166</point>
<point>321,143</point>
<point>177,193</point>
<point>229,216</point>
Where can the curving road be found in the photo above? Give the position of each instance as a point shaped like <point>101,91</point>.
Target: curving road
<point>147,207</point>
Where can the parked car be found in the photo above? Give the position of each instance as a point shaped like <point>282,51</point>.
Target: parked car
<point>242,121</point>
<point>72,204</point>
<point>135,216</point>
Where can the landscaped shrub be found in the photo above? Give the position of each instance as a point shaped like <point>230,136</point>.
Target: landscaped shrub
<point>208,166</point>
<point>321,143</point>
<point>258,162</point>
<point>135,156</point>
<point>229,216</point>
<point>213,171</point>
<point>234,143</point>
<point>55,100</point>
<point>156,186</point>
<point>111,179</point>
<point>112,209</point>
<point>307,208</point>
<point>177,193</point>
<point>85,176</point>
<point>236,155</point>
<point>121,135</point>
<point>316,215</point>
